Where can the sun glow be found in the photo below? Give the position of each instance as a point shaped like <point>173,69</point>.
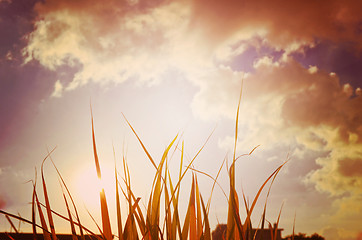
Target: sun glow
<point>88,185</point>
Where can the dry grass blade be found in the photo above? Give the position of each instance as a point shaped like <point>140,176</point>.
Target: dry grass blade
<point>138,214</point>
<point>235,233</point>
<point>74,235</point>
<point>261,188</point>
<point>193,226</point>
<point>214,180</point>
<point>104,207</point>
<point>271,231</point>
<point>206,234</point>
<point>21,219</point>
<point>277,223</point>
<point>143,146</point>
<point>99,229</point>
<point>47,203</point>
<point>71,199</point>
<point>198,208</point>
<point>118,203</point>
<point>105,216</point>
<point>295,214</point>
<point>67,219</point>
<point>185,228</point>
<point>262,221</point>
<point>236,135</point>
<point>247,225</point>
<point>98,168</point>
<point>130,230</point>
<point>153,209</point>
<point>175,222</point>
<point>33,213</point>
<point>213,186</point>
<point>170,230</point>
<point>188,167</point>
<point>11,223</point>
<point>233,201</point>
<point>42,220</point>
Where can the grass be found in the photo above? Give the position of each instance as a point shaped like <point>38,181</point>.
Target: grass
<point>153,223</point>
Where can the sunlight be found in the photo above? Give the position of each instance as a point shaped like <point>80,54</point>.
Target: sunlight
<point>88,185</point>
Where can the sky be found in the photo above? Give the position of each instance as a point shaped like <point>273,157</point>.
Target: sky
<point>177,67</point>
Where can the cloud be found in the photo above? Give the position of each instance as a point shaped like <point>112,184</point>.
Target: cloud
<point>111,41</point>
<point>282,23</point>
<point>58,89</point>
<point>350,167</point>
<point>116,41</point>
<point>287,105</point>
<point>335,233</point>
<point>218,88</point>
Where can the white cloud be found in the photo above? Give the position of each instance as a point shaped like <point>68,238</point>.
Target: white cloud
<point>58,89</point>
<point>134,44</point>
<point>312,69</point>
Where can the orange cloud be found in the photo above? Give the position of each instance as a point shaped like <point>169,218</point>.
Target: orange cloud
<point>350,167</point>
<point>283,23</point>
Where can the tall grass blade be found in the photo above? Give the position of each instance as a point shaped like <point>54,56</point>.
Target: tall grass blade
<point>71,199</point>
<point>105,216</point>
<point>206,233</point>
<point>155,198</point>
<point>277,223</point>
<point>175,222</point>
<point>193,226</point>
<point>237,232</point>
<point>66,219</point>
<point>185,228</point>
<point>33,214</point>
<point>99,228</point>
<point>213,186</point>
<point>47,203</point>
<point>21,219</point>
<point>247,228</point>
<point>198,210</point>
<point>11,223</point>
<point>130,230</point>
<point>213,179</point>
<point>295,214</point>
<point>231,232</point>
<point>138,214</point>
<point>118,204</point>
<point>104,207</point>
<point>168,214</point>
<point>143,146</point>
<point>188,167</point>
<point>42,220</point>
<point>74,235</point>
<point>261,188</point>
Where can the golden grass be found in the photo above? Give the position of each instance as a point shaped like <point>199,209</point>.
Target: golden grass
<point>148,225</point>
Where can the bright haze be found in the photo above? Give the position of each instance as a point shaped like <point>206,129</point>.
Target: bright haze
<point>177,67</point>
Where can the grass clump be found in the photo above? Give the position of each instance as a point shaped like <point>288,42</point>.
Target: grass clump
<point>151,224</point>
